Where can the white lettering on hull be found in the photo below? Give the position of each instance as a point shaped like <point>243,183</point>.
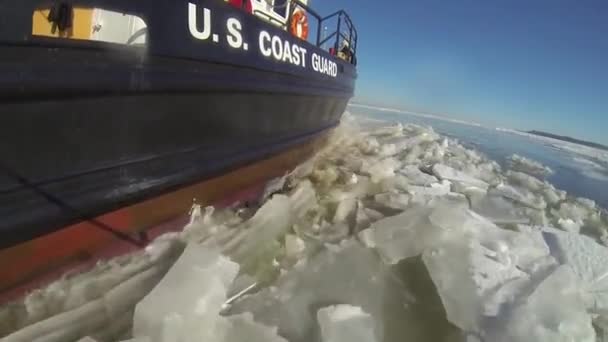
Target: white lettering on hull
<point>271,46</point>
<point>281,50</point>
<point>324,65</point>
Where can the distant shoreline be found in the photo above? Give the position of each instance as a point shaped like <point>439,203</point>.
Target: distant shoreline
<point>445,118</point>
<point>569,139</point>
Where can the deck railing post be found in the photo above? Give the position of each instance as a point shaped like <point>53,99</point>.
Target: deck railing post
<point>319,32</point>
<point>350,37</point>
<point>336,45</point>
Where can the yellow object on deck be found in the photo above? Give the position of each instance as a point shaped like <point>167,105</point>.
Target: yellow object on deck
<point>81,25</point>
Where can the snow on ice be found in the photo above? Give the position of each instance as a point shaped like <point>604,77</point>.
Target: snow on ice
<point>389,233</point>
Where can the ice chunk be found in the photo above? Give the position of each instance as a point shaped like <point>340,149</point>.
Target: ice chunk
<point>66,326</point>
<point>588,260</point>
<point>396,183</point>
<point>394,130</point>
<point>187,301</point>
<point>587,203</point>
<point>391,200</point>
<point>387,150</point>
<point>365,217</point>
<point>412,156</point>
<point>553,196</point>
<point>452,199</point>
<point>87,339</point>
<point>531,167</point>
<point>448,173</point>
<point>345,210</point>
<point>488,172</point>
<point>125,296</point>
<point>522,196</point>
<point>468,190</point>
<point>498,209</point>
<point>117,327</point>
<point>435,189</point>
<point>479,268</point>
<point>524,180</point>
<point>301,171</point>
<point>369,146</point>
<point>572,211</point>
<point>268,224</point>
<point>473,281</point>
<point>335,233</point>
<point>348,273</point>
<point>417,177</point>
<point>421,194</point>
<point>244,328</point>
<point>345,323</point>
<point>294,246</point>
<point>325,177</point>
<point>273,186</point>
<point>419,228</point>
<point>379,170</point>
<point>401,236</point>
<point>364,187</point>
<point>403,143</point>
<point>569,225</point>
<point>553,312</point>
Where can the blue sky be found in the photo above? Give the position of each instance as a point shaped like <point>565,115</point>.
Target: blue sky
<point>524,64</point>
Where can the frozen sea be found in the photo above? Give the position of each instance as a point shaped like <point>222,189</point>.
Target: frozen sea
<point>579,170</point>
<point>399,229</point>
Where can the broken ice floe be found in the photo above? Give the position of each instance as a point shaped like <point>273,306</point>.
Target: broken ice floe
<point>345,323</point>
<point>531,167</point>
<point>387,234</point>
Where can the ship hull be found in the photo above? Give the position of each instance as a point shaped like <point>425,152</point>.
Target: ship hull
<point>74,154</point>
<point>105,143</point>
<point>78,246</point>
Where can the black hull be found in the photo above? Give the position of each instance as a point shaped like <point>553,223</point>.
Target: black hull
<point>127,149</point>
<point>86,131</point>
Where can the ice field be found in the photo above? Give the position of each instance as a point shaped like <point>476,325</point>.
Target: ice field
<point>390,233</point>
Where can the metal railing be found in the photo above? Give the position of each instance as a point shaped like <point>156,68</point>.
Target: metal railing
<point>343,22</point>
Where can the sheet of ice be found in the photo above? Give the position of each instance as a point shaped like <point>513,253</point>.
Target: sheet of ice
<point>448,173</point>
<point>348,274</point>
<point>402,236</point>
<point>391,201</point>
<point>494,284</point>
<point>569,225</point>
<point>498,209</point>
<point>87,339</point>
<point>345,323</point>
<point>520,195</point>
<point>258,243</point>
<point>554,311</point>
<point>589,262</point>
<point>187,301</point>
<point>345,210</point>
<point>380,169</point>
<point>422,194</point>
<point>483,269</point>
<point>407,142</point>
<point>243,328</point>
<point>417,177</point>
<point>274,186</point>
<point>94,317</point>
<point>294,247</point>
<point>528,166</point>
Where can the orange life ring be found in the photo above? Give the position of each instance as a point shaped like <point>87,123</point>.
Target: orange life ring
<point>299,24</point>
